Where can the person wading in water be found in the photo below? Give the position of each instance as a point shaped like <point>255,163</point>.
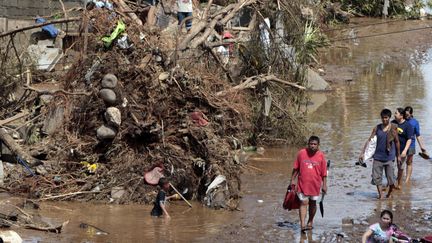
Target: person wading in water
<point>405,132</point>
<point>411,151</point>
<point>310,170</point>
<point>386,150</point>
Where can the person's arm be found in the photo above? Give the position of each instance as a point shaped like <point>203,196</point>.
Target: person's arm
<point>365,145</point>
<point>296,170</point>
<point>397,144</point>
<point>419,138</point>
<point>294,175</point>
<point>421,144</point>
<point>366,235</point>
<point>162,205</point>
<point>324,187</point>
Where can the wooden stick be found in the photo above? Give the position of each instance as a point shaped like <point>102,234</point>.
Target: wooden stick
<point>51,92</point>
<point>65,195</point>
<point>190,205</point>
<point>13,118</point>
<point>56,21</point>
<point>125,7</point>
<point>16,149</point>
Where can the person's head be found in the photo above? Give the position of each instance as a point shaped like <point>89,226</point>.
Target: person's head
<point>386,217</point>
<point>219,28</point>
<point>409,112</point>
<point>313,144</point>
<point>399,114</point>
<point>385,116</point>
<point>164,183</point>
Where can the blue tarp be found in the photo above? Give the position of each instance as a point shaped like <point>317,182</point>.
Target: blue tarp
<point>50,29</point>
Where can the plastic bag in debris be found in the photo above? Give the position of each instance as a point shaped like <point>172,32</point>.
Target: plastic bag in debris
<point>120,28</point>
<point>50,29</point>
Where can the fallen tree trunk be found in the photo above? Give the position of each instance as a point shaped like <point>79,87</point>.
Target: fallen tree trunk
<point>125,8</point>
<point>203,24</point>
<point>255,80</point>
<point>17,150</point>
<point>13,118</point>
<point>56,21</point>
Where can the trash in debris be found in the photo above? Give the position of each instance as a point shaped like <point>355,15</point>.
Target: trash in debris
<point>199,118</point>
<point>50,29</point>
<point>92,230</point>
<point>120,28</point>
<point>91,167</point>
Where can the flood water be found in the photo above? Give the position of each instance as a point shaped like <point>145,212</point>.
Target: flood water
<point>387,75</point>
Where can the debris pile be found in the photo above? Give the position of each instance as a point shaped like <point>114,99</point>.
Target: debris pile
<point>131,97</point>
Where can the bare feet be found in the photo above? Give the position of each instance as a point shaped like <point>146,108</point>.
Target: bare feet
<point>380,196</point>
<point>388,196</point>
<point>397,187</point>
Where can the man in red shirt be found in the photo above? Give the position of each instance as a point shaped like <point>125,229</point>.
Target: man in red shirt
<point>310,170</point>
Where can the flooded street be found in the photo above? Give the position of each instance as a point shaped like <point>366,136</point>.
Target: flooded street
<point>388,72</point>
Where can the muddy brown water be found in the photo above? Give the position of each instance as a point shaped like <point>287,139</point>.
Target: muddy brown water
<point>390,71</point>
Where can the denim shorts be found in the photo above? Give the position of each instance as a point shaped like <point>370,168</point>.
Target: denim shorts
<point>183,15</point>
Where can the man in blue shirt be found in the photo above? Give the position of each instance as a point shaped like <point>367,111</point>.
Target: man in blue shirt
<point>416,126</point>
<point>405,132</point>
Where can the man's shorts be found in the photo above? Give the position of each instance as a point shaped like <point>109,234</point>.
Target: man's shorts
<point>303,197</point>
<point>411,151</point>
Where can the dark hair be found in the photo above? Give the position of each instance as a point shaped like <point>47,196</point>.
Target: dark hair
<point>409,109</point>
<point>314,138</point>
<point>386,112</point>
<point>401,111</point>
<point>163,181</point>
<point>384,212</point>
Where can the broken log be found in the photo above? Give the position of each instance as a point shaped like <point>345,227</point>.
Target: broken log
<point>208,26</point>
<point>129,11</point>
<point>13,118</point>
<point>16,149</point>
<point>51,92</point>
<point>255,80</point>
<point>55,229</point>
<point>56,21</point>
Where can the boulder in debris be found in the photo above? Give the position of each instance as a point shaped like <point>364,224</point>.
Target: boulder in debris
<point>109,81</point>
<point>315,81</point>
<point>105,132</point>
<point>117,192</point>
<point>108,96</point>
<point>113,116</point>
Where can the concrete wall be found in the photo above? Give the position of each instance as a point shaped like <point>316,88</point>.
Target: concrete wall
<point>19,9</point>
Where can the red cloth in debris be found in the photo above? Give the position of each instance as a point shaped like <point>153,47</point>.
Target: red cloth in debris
<point>198,118</point>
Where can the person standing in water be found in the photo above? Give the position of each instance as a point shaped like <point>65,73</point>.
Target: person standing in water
<point>387,149</point>
<point>411,151</point>
<point>405,133</point>
<point>310,171</point>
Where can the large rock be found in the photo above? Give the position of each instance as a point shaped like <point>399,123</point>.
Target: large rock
<point>108,96</point>
<point>109,81</point>
<point>113,116</point>
<point>315,81</point>
<point>105,132</point>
